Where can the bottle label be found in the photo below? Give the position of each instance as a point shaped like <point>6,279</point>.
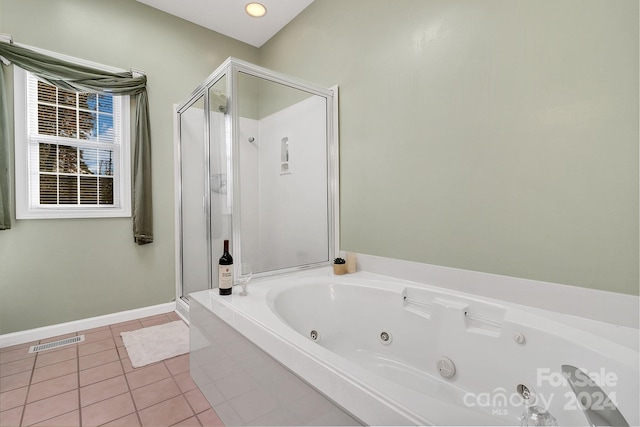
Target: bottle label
<point>225,276</point>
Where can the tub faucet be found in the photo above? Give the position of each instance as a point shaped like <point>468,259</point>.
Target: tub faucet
<point>537,416</point>
<point>598,408</point>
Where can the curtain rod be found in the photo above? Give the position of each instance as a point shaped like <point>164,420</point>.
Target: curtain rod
<point>8,38</point>
<point>137,73</point>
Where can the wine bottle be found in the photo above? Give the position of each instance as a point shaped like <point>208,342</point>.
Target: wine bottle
<point>225,271</point>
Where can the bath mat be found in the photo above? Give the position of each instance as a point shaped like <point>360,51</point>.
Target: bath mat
<point>156,343</point>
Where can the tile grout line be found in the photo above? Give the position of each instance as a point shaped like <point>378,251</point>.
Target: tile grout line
<point>79,394</point>
<point>184,396</point>
<point>33,370</point>
<point>184,393</point>
<point>124,374</point>
<point>26,397</point>
<point>195,413</point>
<point>172,376</point>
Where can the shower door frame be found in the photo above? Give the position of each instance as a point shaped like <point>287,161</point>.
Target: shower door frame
<point>231,68</point>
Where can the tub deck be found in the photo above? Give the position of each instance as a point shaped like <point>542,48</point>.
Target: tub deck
<point>398,383</point>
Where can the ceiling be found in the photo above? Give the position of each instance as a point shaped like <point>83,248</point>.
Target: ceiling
<point>229,18</point>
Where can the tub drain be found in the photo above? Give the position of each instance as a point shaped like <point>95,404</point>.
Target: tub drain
<point>314,335</point>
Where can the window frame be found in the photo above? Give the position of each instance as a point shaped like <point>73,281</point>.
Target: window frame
<point>25,175</point>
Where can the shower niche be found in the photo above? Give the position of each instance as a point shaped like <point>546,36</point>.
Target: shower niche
<point>256,164</point>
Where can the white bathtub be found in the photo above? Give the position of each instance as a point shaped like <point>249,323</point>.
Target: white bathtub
<point>494,347</point>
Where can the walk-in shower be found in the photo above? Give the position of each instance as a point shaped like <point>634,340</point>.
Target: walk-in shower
<point>256,163</point>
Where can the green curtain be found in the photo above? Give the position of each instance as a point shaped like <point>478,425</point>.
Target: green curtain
<point>5,212</point>
<point>79,78</point>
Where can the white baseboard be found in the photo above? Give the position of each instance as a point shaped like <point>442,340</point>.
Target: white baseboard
<point>609,307</point>
<point>31,335</point>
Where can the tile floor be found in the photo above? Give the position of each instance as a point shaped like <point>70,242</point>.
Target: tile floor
<point>93,383</point>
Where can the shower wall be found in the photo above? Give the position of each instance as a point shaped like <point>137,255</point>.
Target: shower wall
<point>275,225</point>
<point>250,191</point>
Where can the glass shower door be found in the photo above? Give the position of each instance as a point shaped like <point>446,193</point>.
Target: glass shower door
<point>194,246</point>
<point>283,177</point>
<point>205,212</point>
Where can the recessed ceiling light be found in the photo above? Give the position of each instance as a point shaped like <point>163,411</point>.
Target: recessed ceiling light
<point>256,10</point>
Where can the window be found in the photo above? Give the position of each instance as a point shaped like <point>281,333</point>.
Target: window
<point>72,152</point>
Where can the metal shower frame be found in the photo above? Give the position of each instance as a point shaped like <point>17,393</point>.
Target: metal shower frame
<point>231,69</point>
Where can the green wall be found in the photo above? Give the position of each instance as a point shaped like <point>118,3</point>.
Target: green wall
<point>498,136</point>
<point>53,271</point>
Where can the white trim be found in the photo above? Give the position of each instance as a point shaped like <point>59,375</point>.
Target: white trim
<point>21,132</point>
<point>609,307</point>
<point>30,335</point>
